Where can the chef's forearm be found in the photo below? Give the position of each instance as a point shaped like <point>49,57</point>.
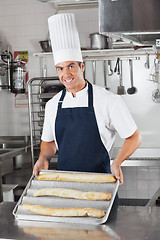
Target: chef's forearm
<point>129,147</point>
<point>48,150</point>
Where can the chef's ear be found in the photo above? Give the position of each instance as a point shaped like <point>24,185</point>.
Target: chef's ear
<point>82,66</point>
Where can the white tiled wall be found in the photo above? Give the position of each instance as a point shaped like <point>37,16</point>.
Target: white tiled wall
<point>140,182</point>
<point>23,23</point>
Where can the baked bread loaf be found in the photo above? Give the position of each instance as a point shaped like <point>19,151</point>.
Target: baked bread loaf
<point>64,212</point>
<point>77,177</point>
<point>71,193</point>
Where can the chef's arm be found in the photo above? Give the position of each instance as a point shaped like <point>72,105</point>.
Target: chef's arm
<point>129,147</point>
<point>48,150</point>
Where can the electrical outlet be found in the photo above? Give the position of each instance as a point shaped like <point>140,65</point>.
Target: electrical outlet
<point>157,42</point>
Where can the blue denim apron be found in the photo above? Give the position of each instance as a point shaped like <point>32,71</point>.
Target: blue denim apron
<point>79,142</point>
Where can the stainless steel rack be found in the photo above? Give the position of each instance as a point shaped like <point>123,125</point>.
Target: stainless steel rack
<point>40,90</point>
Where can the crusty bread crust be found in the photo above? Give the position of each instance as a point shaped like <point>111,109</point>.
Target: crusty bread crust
<point>71,193</point>
<point>78,177</point>
<point>64,212</point>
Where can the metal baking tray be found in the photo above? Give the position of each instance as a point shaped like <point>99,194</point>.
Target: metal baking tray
<point>35,184</point>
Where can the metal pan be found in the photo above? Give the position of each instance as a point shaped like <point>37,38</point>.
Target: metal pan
<point>34,184</point>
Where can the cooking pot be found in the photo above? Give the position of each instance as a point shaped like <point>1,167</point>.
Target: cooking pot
<point>98,41</point>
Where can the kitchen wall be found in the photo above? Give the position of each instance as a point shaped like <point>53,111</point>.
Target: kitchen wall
<point>22,25</point>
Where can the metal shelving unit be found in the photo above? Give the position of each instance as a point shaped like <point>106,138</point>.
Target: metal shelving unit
<point>40,90</point>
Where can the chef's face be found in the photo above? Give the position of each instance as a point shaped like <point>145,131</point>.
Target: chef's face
<point>71,75</point>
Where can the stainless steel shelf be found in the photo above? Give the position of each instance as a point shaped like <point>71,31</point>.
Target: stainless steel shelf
<point>38,97</point>
<point>109,53</point>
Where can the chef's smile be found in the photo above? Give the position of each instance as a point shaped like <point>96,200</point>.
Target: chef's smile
<point>71,75</point>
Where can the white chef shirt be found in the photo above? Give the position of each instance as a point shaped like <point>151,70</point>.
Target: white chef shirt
<point>111,113</point>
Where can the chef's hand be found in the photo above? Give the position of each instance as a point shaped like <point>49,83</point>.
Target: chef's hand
<point>117,171</point>
<point>41,163</point>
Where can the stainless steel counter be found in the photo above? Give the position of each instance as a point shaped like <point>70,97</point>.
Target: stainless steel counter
<point>129,223</point>
<point>14,151</point>
<point>148,157</point>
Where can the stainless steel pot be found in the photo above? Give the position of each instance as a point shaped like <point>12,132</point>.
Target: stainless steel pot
<point>98,41</point>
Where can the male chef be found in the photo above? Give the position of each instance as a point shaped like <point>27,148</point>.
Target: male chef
<point>81,121</point>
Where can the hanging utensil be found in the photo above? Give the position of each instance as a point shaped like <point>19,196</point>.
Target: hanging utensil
<point>94,71</point>
<point>117,67</point>
<point>156,93</point>
<point>147,65</point>
<point>121,88</point>
<point>110,70</point>
<point>132,89</point>
<point>105,75</point>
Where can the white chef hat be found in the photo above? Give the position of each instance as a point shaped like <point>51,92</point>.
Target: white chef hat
<point>64,38</point>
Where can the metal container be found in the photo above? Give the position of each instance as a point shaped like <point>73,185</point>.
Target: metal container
<point>3,76</point>
<point>46,46</point>
<point>98,41</point>
<point>50,201</point>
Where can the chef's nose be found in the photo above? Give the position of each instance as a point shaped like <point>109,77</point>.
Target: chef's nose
<point>66,71</point>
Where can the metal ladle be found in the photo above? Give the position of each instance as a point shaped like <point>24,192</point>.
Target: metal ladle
<point>132,89</point>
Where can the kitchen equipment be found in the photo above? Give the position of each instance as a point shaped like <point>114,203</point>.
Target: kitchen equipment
<point>7,59</point>
<point>117,69</point>
<point>98,41</point>
<point>3,76</point>
<point>46,45</point>
<point>94,71</point>
<point>16,72</point>
<point>18,77</point>
<point>64,4</point>
<point>40,90</point>
<point>156,96</point>
<point>147,65</point>
<point>34,184</point>
<point>132,89</point>
<point>105,74</point>
<point>121,88</point>
<point>130,20</point>
<point>110,70</point>
<point>156,93</point>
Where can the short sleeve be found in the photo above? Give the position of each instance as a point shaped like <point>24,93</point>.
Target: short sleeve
<point>121,119</point>
<point>47,133</point>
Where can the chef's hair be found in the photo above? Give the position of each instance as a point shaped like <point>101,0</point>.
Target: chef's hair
<point>79,63</point>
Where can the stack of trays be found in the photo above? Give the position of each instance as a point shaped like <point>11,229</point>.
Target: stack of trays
<point>58,202</point>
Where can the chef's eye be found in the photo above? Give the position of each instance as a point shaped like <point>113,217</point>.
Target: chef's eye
<point>71,66</point>
<point>59,69</point>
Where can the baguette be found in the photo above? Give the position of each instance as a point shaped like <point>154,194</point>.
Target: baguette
<point>77,177</point>
<point>70,193</point>
<point>64,212</point>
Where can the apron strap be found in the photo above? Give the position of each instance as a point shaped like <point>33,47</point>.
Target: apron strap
<point>90,96</point>
<point>61,98</point>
